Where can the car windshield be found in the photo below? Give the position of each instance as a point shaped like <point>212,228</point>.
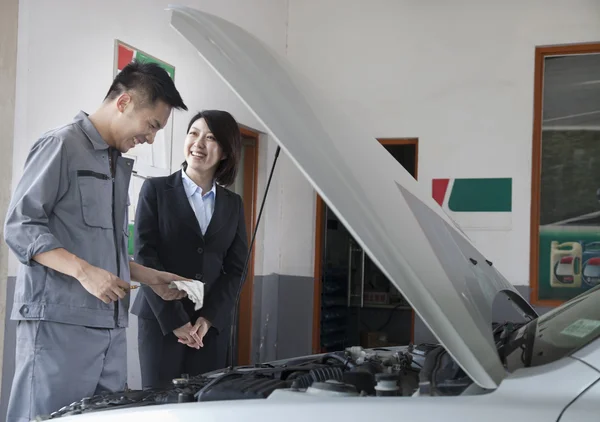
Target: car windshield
<point>555,334</point>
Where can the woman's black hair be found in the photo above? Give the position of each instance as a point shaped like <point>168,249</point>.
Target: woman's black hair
<point>226,130</point>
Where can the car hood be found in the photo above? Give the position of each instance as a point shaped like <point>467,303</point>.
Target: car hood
<point>447,281</point>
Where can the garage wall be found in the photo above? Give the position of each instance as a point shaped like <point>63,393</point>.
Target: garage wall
<point>457,75</point>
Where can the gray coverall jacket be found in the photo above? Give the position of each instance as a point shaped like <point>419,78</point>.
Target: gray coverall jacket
<point>67,198</point>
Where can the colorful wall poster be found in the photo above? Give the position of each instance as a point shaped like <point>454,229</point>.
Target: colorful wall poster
<point>126,54</point>
<point>476,203</point>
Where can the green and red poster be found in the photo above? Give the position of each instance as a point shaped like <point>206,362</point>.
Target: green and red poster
<point>126,54</point>
<point>476,204</point>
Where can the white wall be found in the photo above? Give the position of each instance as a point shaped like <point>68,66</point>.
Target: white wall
<point>65,63</point>
<point>456,74</point>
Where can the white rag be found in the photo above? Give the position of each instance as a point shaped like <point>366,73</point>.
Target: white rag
<point>193,288</point>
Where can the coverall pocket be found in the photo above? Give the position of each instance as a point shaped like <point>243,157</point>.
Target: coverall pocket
<point>96,198</point>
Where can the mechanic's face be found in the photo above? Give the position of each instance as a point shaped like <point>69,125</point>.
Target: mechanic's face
<point>137,124</point>
<point>201,149</point>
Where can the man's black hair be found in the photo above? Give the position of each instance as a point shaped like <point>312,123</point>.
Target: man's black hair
<point>149,81</point>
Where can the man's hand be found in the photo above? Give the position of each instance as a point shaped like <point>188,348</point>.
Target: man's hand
<point>166,293</point>
<point>161,287</point>
<point>104,285</point>
<point>188,336</point>
<point>157,280</point>
<point>201,327</point>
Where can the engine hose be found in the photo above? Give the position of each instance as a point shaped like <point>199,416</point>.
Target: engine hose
<point>317,375</point>
<point>346,361</point>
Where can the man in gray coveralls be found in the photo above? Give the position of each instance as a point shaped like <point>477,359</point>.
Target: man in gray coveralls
<point>68,226</point>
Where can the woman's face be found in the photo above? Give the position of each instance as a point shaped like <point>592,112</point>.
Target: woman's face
<point>201,150</point>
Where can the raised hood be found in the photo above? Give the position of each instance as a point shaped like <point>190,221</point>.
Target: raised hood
<point>447,281</point>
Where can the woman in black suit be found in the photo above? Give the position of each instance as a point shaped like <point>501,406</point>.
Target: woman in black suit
<point>188,224</point>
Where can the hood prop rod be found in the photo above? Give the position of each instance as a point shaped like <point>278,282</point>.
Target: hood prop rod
<point>235,310</point>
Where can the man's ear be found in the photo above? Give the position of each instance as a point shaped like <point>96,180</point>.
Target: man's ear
<point>123,102</point>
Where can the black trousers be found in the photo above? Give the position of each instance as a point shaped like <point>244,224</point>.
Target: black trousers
<point>163,358</point>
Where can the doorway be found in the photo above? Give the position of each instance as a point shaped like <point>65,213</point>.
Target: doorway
<point>354,303</point>
<point>245,185</point>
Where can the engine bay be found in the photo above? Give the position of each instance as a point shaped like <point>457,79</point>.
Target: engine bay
<point>401,371</point>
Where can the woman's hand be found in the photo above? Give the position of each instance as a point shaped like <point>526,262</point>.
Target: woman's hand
<point>201,327</point>
<point>187,335</point>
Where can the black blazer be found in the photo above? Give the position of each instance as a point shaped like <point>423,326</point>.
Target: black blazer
<point>168,238</point>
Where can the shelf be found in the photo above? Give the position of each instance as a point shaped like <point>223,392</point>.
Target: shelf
<point>397,307</point>
<point>344,303</point>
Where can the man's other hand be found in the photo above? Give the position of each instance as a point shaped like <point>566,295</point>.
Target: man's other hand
<point>104,285</point>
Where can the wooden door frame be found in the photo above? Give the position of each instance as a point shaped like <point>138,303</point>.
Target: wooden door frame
<point>536,158</point>
<point>319,236</point>
<point>250,166</point>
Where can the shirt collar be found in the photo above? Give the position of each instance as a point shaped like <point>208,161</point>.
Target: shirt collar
<point>191,187</point>
<point>84,122</point>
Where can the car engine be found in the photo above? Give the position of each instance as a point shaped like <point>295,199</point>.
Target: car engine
<point>353,372</point>
<point>425,370</point>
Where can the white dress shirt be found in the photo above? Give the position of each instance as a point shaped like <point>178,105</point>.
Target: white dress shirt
<point>202,204</point>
